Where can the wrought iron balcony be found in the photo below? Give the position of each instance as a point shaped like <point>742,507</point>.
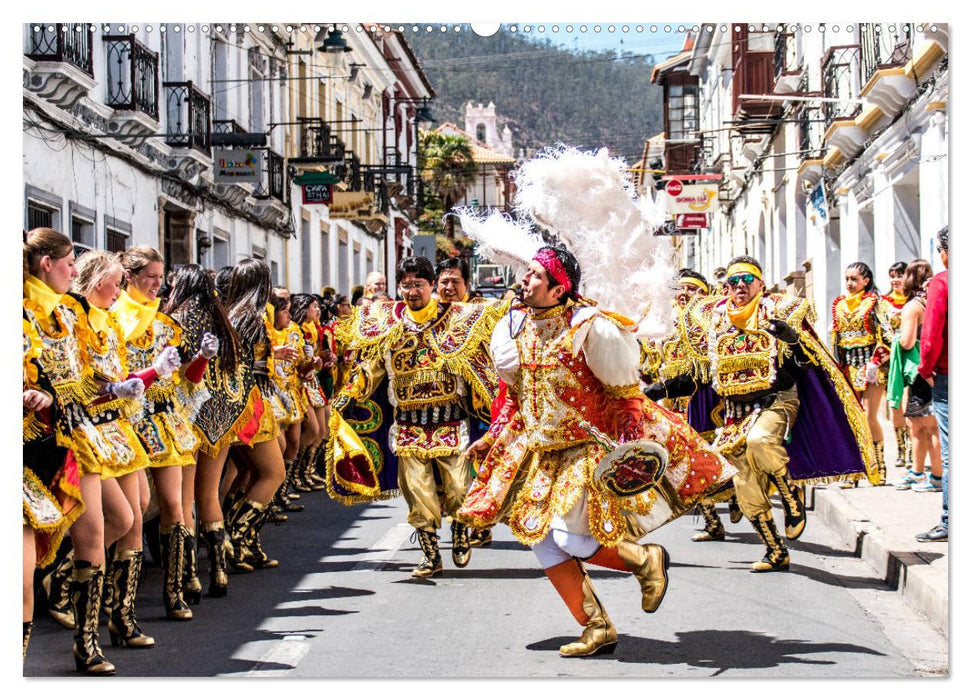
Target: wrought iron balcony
<point>885,46</point>
<point>810,134</point>
<point>69,43</point>
<point>841,79</point>
<point>132,75</point>
<point>187,111</point>
<point>273,185</point>
<point>227,126</point>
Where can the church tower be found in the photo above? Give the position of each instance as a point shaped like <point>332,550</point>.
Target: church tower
<point>481,123</point>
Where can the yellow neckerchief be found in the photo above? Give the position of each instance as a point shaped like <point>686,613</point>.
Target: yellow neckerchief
<point>898,299</point>
<point>425,314</point>
<point>271,313</point>
<point>309,328</point>
<point>466,297</point>
<point>133,316</point>
<point>38,292</point>
<point>746,317</point>
<point>97,318</point>
<point>853,300</point>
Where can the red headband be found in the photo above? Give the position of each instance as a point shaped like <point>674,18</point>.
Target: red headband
<point>548,259</point>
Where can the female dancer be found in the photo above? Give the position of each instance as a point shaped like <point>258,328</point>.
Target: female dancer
<point>861,343</point>
<point>259,459</point>
<point>228,413</point>
<point>895,305</point>
<point>305,311</point>
<point>166,429</point>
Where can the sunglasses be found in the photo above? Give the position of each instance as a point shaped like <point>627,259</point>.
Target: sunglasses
<point>736,280</point>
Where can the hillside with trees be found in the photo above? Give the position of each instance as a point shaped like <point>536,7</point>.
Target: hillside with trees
<point>544,93</point>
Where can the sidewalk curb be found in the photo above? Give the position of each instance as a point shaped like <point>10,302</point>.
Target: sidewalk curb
<point>907,572</point>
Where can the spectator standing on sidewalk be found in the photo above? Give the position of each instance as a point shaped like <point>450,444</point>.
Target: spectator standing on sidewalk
<point>933,368</point>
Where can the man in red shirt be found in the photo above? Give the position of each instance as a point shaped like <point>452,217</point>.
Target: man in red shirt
<point>933,368</point>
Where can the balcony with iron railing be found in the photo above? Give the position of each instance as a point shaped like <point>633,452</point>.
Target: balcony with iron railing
<point>132,76</point>
<point>227,126</point>
<point>187,111</point>
<point>884,46</point>
<point>841,80</point>
<point>60,65</point>
<point>785,60</point>
<point>69,43</point>
<point>318,143</point>
<point>273,184</point>
<point>753,74</point>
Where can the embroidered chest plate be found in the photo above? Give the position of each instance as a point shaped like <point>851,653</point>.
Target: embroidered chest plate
<point>419,377</point>
<point>856,328</point>
<point>61,356</point>
<point>743,362</point>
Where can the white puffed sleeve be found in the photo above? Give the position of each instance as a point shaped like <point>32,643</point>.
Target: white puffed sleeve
<point>612,353</point>
<point>505,354</point>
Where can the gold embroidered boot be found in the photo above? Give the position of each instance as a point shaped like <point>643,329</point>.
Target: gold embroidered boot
<point>172,539</point>
<point>310,476</point>
<point>240,522</point>
<point>28,626</point>
<point>776,554</point>
<point>900,433</point>
<point>909,458</point>
<point>299,467</point>
<point>461,549</point>
<point>431,562</point>
<point>649,564</point>
<point>122,625</point>
<point>480,538</point>
<point>794,505</point>
<point>734,512</point>
<point>86,584</point>
<point>253,549</point>
<point>108,592</point>
<point>214,535</point>
<point>55,585</point>
<point>714,530</point>
<point>191,585</point>
<point>599,635</point>
<point>881,463</point>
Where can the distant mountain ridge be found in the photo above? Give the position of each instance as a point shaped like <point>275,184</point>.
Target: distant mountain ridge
<point>546,94</point>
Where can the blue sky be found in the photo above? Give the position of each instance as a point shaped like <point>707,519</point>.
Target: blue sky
<point>663,42</point>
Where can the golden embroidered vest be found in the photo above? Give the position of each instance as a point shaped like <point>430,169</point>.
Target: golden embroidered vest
<point>63,355</point>
<point>855,329</point>
<point>419,377</point>
<point>557,391</point>
<point>743,361</point>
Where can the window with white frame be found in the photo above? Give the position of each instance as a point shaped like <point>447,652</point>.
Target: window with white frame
<point>82,227</point>
<point>117,235</point>
<point>43,210</point>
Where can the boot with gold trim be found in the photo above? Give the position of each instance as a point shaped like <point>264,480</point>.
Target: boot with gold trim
<point>191,585</point>
<point>900,432</point>
<point>649,563</point>
<point>28,626</point>
<point>480,538</point>
<point>431,562</point>
<point>776,554</point>
<point>172,539</point>
<point>56,585</point>
<point>714,530</point>
<point>214,535</point>
<point>881,463</point>
<point>461,549</point>
<point>86,584</point>
<point>734,512</point>
<point>794,505</point>
<point>309,472</point>
<point>599,635</point>
<point>253,549</point>
<point>238,531</point>
<point>123,628</point>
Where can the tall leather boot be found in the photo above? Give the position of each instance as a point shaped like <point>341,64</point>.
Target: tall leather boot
<point>734,512</point>
<point>909,459</point>
<point>599,635</point>
<point>108,593</point>
<point>431,562</point>
<point>309,472</point>
<point>214,535</point>
<point>881,463</point>
<point>714,530</point>
<point>86,584</point>
<point>900,433</point>
<point>794,505</point>
<point>55,585</point>
<point>283,496</point>
<point>172,539</point>
<point>649,563</point>
<point>238,529</point>
<point>123,628</point>
<point>191,585</point>
<point>231,503</point>
<point>480,538</point>
<point>461,549</point>
<point>776,554</point>
<point>28,626</point>
<point>299,465</point>
<point>253,548</point>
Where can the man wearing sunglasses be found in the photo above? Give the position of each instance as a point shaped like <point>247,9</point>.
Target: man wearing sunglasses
<point>790,415</point>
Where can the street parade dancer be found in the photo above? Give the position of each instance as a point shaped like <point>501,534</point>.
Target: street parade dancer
<point>861,339</point>
<point>433,359</point>
<point>681,353</point>
<point>896,300</point>
<point>573,395</point>
<point>791,417</point>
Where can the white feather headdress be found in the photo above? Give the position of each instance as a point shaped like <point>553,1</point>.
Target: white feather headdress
<point>587,200</point>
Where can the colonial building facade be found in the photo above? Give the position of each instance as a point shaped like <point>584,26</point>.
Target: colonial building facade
<point>829,141</point>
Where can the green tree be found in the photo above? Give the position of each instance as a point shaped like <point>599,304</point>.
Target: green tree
<point>447,170</point>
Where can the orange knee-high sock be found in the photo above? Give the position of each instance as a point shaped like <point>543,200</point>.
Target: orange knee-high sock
<point>608,558</point>
<point>567,579</point>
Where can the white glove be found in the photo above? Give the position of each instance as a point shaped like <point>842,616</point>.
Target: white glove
<point>870,373</point>
<point>127,389</point>
<point>167,361</point>
<point>209,346</point>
